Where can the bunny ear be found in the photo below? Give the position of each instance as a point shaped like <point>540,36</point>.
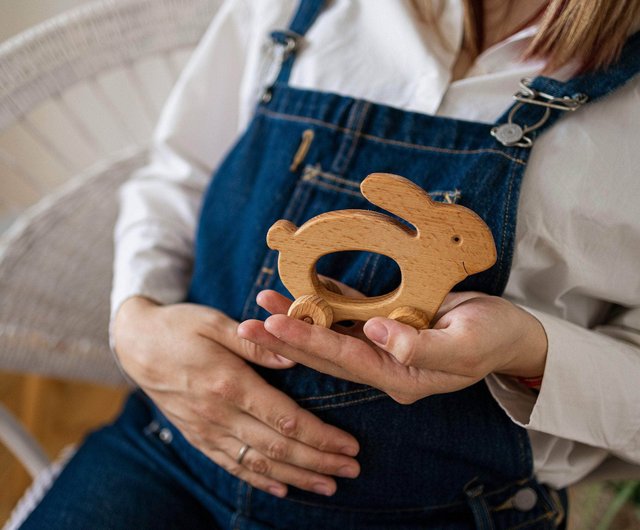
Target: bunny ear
<point>397,195</point>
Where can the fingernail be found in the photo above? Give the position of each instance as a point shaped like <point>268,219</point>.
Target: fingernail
<point>322,489</point>
<point>377,332</point>
<point>282,359</point>
<point>348,472</point>
<point>277,491</point>
<point>349,450</point>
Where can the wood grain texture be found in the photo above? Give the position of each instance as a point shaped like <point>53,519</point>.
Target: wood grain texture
<point>448,243</point>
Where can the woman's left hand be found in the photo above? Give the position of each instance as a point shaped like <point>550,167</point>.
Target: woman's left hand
<point>474,335</point>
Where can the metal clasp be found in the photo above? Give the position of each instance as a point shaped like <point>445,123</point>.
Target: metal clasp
<point>277,50</point>
<point>512,134</point>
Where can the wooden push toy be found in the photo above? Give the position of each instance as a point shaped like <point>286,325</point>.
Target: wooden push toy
<point>449,243</point>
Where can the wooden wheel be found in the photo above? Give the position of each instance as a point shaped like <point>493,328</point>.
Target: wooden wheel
<point>312,309</point>
<point>411,316</point>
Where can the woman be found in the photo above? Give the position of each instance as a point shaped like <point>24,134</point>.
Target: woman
<point>348,89</point>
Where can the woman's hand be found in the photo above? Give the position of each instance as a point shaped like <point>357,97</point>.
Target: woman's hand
<point>474,335</point>
<point>191,362</point>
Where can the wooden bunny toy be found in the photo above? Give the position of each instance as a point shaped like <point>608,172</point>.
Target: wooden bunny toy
<point>449,243</point>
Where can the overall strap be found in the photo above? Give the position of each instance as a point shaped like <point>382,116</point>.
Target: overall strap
<point>286,43</point>
<point>540,102</point>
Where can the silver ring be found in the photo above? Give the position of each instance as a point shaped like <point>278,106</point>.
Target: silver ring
<point>242,453</point>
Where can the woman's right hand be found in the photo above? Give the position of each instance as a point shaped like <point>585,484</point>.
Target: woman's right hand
<point>191,362</point>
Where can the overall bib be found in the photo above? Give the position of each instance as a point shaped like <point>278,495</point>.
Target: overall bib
<point>448,461</point>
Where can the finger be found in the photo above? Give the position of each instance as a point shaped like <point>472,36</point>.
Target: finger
<point>258,464</point>
<point>223,330</point>
<point>246,461</point>
<point>258,480</point>
<point>277,410</point>
<point>273,302</point>
<point>333,353</point>
<point>338,354</point>
<point>250,330</point>
<point>453,300</point>
<point>224,451</point>
<point>255,332</point>
<point>281,449</point>
<point>433,349</point>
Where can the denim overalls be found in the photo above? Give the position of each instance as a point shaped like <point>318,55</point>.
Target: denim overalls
<point>451,461</point>
<point>447,461</point>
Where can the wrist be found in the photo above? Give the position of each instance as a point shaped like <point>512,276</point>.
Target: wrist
<point>128,320</point>
<point>529,351</point>
<point>132,309</point>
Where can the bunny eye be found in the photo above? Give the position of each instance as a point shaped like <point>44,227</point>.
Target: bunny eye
<point>456,240</point>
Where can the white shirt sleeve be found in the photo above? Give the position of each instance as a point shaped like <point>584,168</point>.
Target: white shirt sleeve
<point>589,406</point>
<point>159,205</point>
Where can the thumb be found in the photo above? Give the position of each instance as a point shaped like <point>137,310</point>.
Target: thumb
<point>225,331</point>
<point>407,345</point>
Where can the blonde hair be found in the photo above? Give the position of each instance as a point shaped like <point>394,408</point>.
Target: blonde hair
<point>591,32</point>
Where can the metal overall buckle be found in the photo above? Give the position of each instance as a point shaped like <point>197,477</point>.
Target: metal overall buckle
<point>512,134</point>
<point>278,48</point>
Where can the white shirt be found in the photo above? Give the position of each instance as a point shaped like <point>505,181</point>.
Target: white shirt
<point>577,253</point>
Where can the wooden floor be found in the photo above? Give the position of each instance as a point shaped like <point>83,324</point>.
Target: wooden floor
<point>58,413</point>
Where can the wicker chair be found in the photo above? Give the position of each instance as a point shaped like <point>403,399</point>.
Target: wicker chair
<point>79,97</point>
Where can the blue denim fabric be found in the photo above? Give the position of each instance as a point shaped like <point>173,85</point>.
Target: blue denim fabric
<point>451,461</point>
<point>141,473</point>
<point>419,459</point>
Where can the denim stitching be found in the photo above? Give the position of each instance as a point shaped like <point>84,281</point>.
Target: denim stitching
<point>330,406</point>
<point>443,149</point>
<point>349,138</point>
<point>247,500</point>
<point>334,188</point>
<point>558,507</point>
<point>265,273</point>
<point>238,506</point>
<point>353,116</point>
<point>248,302</point>
<point>550,504</point>
<point>301,204</point>
<point>320,123</point>
<point>546,515</point>
<point>504,229</point>
<point>451,197</point>
<point>373,272</point>
<point>297,200</point>
<point>356,135</point>
<point>363,270</point>
<point>311,172</point>
<point>339,394</point>
<point>409,510</point>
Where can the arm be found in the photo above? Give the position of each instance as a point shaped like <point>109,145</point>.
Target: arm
<point>159,205</point>
<point>589,402</point>
<point>188,358</point>
<point>585,411</point>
